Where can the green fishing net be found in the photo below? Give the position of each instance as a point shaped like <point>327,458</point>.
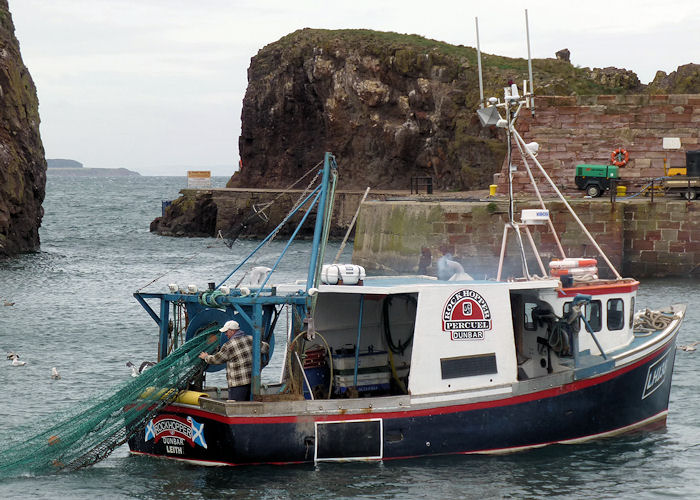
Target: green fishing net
<point>89,432</point>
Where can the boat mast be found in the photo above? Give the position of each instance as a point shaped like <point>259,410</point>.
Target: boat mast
<point>318,228</point>
<point>512,97</point>
<point>513,103</point>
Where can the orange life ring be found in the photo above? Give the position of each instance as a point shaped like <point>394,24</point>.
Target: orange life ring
<point>619,157</point>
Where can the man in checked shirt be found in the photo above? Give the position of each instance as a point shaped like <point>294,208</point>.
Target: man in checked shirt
<point>237,353</point>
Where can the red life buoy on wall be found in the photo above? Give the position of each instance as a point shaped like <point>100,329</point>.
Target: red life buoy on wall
<point>619,157</point>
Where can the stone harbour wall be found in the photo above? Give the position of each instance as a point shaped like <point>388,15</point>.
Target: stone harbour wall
<point>640,239</point>
<point>573,130</point>
<point>662,239</point>
<point>232,212</point>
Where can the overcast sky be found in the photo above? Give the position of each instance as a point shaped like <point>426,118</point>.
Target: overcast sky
<point>156,86</point>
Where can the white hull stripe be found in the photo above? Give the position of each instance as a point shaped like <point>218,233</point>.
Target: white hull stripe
<point>622,430</point>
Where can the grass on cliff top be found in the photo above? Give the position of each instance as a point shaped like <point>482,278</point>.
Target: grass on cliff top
<point>552,76</point>
<point>397,40</point>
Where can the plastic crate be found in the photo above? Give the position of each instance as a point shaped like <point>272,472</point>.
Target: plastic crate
<point>344,359</point>
<point>366,382</point>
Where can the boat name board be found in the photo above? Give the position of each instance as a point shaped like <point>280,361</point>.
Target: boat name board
<point>175,431</point>
<point>466,316</point>
<point>656,374</point>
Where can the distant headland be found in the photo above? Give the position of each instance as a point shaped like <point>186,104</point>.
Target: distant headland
<point>72,168</point>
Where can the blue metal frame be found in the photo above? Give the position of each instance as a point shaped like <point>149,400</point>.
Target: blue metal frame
<point>253,311</point>
<point>320,218</point>
<point>296,231</point>
<point>357,344</point>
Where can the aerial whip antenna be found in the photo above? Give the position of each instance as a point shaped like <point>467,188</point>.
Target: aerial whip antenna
<point>529,68</point>
<point>478,58</point>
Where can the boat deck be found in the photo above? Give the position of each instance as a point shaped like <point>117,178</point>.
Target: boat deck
<point>272,403</point>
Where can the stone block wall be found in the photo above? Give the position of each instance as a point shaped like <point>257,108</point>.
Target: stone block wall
<point>586,129</point>
<point>662,239</point>
<point>639,238</point>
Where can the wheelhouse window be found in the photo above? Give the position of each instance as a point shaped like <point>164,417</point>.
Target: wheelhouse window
<point>632,312</point>
<point>529,319</point>
<point>566,311</point>
<point>615,314</point>
<point>592,313</point>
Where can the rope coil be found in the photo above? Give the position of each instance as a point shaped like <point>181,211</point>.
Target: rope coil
<point>648,321</point>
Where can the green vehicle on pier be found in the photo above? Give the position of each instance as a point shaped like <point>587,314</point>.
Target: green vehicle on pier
<point>595,179</point>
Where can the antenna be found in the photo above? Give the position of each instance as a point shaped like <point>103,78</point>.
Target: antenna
<point>529,67</point>
<point>478,58</point>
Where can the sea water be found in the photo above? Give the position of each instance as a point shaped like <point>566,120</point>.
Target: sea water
<point>74,310</point>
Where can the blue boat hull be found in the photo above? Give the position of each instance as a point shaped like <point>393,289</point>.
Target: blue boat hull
<point>628,398</point>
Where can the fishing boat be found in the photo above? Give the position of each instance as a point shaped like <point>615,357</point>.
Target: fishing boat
<point>380,368</point>
<point>383,368</point>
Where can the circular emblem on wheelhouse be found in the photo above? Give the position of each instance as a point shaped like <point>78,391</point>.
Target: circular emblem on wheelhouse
<point>466,316</point>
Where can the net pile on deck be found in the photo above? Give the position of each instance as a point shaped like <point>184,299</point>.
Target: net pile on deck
<point>89,432</point>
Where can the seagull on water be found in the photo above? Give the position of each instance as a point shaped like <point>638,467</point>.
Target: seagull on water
<point>15,359</point>
<point>135,372</point>
<point>54,373</point>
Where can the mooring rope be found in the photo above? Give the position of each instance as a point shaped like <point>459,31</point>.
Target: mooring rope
<point>648,321</point>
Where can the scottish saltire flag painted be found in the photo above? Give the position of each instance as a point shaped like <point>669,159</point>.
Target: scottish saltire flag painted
<point>150,431</point>
<point>197,432</point>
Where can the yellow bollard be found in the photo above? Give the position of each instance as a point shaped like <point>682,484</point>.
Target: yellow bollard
<point>621,190</point>
<point>492,189</point>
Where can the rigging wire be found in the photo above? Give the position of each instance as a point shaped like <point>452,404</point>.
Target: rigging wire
<point>233,235</point>
<point>221,236</point>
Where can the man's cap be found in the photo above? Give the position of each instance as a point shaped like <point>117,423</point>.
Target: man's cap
<point>230,325</point>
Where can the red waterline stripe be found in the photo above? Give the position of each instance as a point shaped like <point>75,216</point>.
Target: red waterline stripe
<point>652,425</point>
<point>444,410</point>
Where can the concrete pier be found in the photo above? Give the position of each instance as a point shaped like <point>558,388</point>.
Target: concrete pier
<point>640,238</point>
<point>395,229</point>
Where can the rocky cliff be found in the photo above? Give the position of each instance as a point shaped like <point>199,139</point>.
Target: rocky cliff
<point>22,163</point>
<point>389,106</point>
<point>685,80</point>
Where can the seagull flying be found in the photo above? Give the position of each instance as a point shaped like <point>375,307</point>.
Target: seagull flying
<point>258,275</point>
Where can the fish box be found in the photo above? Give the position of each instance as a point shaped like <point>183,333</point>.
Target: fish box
<point>366,382</point>
<point>344,359</point>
